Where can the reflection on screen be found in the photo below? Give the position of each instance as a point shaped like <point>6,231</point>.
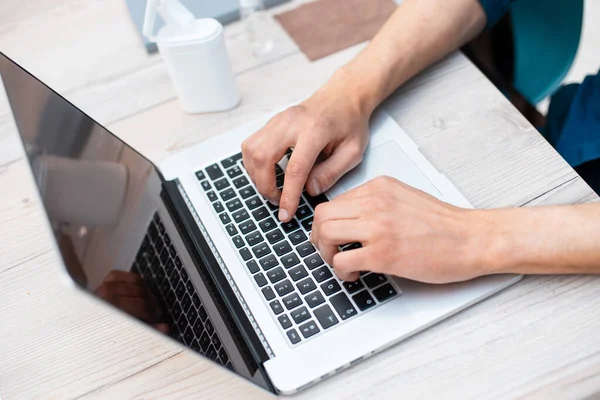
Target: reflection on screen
<point>106,209</point>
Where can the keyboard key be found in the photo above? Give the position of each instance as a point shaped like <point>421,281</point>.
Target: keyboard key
<point>268,292</point>
<point>297,237</point>
<point>247,192</point>
<point>178,262</point>
<point>196,300</point>
<point>275,236</point>
<point>267,225</point>
<point>233,205</point>
<point>182,324</point>
<point>240,183</point>
<point>211,353</point>
<point>223,356</point>
<point>298,273</point>
<point>202,313</point>
<point>238,241</point>
<point>305,249</point>
<point>384,292</point>
<point>212,196</point>
<point>289,260</point>
<point>216,341</point>
<point>240,216</point>
<point>218,207</point>
<point>261,250</point>
<point>363,300</point>
<point>245,253</point>
<point>322,274</point>
<point>195,345</point>
<point>268,262</point>
<point>276,307</point>
<point>231,230</point>
<point>260,279</point>
<point>353,287</point>
<point>309,329</point>
<point>285,321</point>
<point>282,248</point>
<point>303,212</point>
<point>260,214</point>
<point>253,203</point>
<point>306,285</point>
<point>342,306</point>
<point>313,261</point>
<point>307,224</point>
<point>284,287</point>
<point>290,226</point>
<point>293,336</point>
<point>176,311</point>
<point>230,162</point>
<point>315,201</point>
<point>180,290</point>
<point>204,342</point>
<point>314,299</point>
<point>374,280</point>
<point>205,185</point>
<point>188,336</point>
<point>224,218</point>
<point>330,287</point>
<point>227,194</point>
<point>214,171</point>
<point>292,301</point>
<point>254,238</point>
<point>325,316</point>
<point>247,227</point>
<point>351,246</point>
<point>252,266</point>
<point>200,175</point>
<point>276,275</point>
<point>221,184</point>
<point>186,303</point>
<point>272,206</point>
<point>300,314</point>
<point>233,172</point>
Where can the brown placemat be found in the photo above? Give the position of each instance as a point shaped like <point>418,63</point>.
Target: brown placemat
<point>328,26</point>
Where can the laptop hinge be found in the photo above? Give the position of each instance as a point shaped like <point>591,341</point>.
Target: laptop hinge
<point>214,273</point>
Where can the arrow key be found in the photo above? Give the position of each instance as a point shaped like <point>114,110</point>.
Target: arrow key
<point>309,329</point>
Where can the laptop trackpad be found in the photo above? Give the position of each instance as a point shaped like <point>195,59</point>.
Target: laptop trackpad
<point>386,159</point>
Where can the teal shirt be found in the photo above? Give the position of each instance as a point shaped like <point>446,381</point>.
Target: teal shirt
<point>573,120</point>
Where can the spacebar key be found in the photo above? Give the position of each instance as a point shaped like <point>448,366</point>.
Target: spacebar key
<point>342,305</point>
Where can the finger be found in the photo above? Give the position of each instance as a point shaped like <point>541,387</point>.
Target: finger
<point>348,264</point>
<point>162,327</point>
<point>334,233</point>
<point>297,170</point>
<point>267,153</point>
<point>123,289</point>
<point>123,276</point>
<point>337,209</point>
<point>324,175</point>
<point>138,308</point>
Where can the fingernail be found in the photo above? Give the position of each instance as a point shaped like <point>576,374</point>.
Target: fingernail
<point>315,187</point>
<point>283,214</point>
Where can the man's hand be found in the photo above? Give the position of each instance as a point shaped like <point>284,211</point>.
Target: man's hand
<point>329,134</point>
<point>403,231</point>
<point>126,291</point>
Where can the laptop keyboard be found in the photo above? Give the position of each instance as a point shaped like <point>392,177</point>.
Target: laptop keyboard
<point>301,290</point>
<point>159,265</point>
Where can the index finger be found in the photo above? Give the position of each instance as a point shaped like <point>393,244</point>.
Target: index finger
<point>301,162</point>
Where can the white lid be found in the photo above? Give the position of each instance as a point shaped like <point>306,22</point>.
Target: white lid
<point>250,3</point>
<point>201,30</point>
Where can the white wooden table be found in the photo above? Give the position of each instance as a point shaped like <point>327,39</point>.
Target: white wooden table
<point>538,339</point>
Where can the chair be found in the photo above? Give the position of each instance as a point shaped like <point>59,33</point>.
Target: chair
<point>546,37</point>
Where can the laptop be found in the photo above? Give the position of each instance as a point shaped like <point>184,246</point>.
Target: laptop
<point>219,272</point>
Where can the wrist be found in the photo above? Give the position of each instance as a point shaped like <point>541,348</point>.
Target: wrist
<point>353,87</point>
<point>496,245</point>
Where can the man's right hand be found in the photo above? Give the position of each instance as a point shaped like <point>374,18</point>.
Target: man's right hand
<point>329,134</point>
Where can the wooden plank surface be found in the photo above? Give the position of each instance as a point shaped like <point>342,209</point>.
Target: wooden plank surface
<point>538,339</point>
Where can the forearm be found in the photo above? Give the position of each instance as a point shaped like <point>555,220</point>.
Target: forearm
<point>541,240</point>
<point>419,33</point>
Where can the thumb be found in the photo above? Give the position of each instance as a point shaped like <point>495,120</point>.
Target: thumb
<point>325,174</point>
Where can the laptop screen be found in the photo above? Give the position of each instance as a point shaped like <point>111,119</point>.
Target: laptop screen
<point>116,234</point>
